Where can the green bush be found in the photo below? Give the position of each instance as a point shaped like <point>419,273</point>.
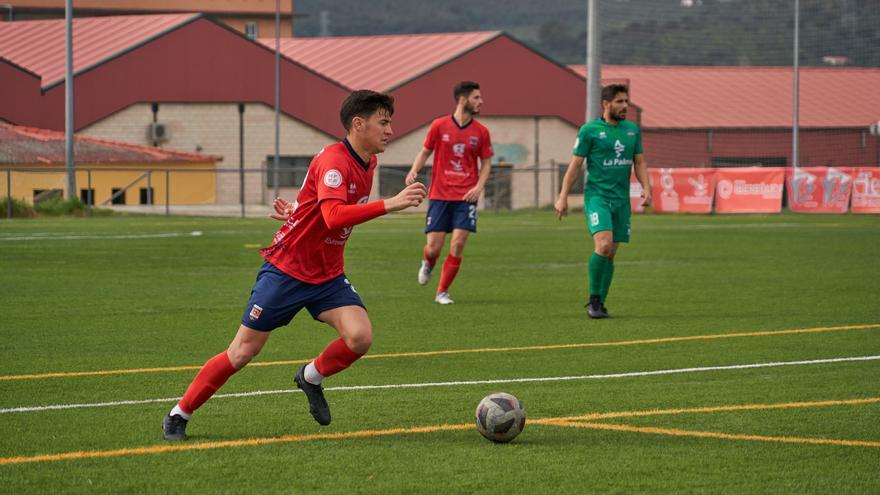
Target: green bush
<point>57,206</point>
<point>20,209</point>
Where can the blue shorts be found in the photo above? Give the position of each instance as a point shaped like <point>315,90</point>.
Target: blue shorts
<point>277,297</point>
<point>443,216</point>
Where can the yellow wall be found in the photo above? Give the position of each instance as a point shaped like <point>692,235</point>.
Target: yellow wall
<point>190,183</point>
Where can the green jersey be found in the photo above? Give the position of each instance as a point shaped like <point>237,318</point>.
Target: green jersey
<point>609,152</point>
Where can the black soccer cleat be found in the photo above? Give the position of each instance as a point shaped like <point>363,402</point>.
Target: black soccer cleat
<point>174,428</point>
<point>595,309</point>
<point>315,393</point>
<point>605,310</point>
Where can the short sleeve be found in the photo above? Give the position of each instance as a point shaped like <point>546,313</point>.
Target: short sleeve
<point>582,143</point>
<point>638,150</point>
<point>431,138</point>
<point>330,179</point>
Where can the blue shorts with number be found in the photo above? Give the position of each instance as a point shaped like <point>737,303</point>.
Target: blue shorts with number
<point>277,297</point>
<point>443,216</point>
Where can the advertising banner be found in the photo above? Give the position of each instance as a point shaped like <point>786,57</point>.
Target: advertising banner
<point>819,189</point>
<point>749,190</point>
<point>866,190</point>
<point>682,190</point>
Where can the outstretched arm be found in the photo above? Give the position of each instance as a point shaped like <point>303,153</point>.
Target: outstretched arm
<point>337,214</point>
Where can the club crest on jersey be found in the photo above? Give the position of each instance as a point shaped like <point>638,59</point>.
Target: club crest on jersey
<point>333,178</point>
<point>474,141</point>
<point>255,313</point>
<point>458,149</point>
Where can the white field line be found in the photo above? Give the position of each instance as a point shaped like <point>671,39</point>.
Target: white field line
<point>68,237</point>
<point>55,407</point>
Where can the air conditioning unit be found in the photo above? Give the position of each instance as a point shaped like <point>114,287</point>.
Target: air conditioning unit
<point>158,132</point>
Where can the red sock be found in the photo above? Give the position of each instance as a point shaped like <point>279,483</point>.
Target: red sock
<point>432,260</point>
<point>335,358</point>
<point>211,377</point>
<point>450,270</point>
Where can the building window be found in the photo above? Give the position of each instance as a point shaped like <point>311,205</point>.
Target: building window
<point>578,186</point>
<point>147,195</point>
<point>749,161</point>
<point>291,170</point>
<point>392,177</point>
<point>251,30</point>
<point>87,196</point>
<point>120,199</point>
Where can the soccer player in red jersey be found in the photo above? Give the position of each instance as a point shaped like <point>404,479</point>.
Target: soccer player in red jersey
<point>462,149</point>
<point>304,264</point>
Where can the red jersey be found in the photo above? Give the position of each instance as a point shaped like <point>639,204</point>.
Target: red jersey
<point>456,150</point>
<point>305,248</point>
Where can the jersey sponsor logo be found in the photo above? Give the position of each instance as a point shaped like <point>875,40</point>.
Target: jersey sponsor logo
<point>618,147</point>
<point>346,232</point>
<point>333,178</point>
<point>445,138</point>
<point>458,149</point>
<point>255,313</point>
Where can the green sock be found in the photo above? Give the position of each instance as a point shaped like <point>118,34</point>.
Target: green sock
<point>606,280</point>
<point>598,264</point>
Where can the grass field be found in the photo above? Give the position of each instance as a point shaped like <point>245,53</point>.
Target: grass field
<point>109,318</point>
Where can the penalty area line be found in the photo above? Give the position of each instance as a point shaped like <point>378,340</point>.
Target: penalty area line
<point>633,374</point>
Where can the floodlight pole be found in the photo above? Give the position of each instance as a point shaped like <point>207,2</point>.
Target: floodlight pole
<point>795,127</point>
<point>68,102</point>
<point>276,159</point>
<point>593,62</point>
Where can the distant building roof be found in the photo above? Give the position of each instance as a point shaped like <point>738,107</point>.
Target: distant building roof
<point>28,145</point>
<point>748,97</point>
<point>39,46</point>
<point>213,6</point>
<point>380,63</point>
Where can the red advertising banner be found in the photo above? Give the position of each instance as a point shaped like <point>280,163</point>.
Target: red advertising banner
<point>819,189</point>
<point>749,190</point>
<point>682,190</point>
<point>866,190</point>
<point>635,194</point>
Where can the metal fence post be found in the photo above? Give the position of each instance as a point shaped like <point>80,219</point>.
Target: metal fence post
<point>150,187</point>
<point>168,193</point>
<point>8,193</point>
<point>89,194</point>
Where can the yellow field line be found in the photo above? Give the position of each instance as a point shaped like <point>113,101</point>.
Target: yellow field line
<point>660,340</point>
<point>572,421</point>
<point>710,434</point>
<point>180,447</point>
<point>745,407</point>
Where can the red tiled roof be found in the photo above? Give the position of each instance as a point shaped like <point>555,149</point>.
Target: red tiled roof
<point>742,97</point>
<point>224,6</point>
<point>28,145</point>
<point>39,46</point>
<point>380,63</point>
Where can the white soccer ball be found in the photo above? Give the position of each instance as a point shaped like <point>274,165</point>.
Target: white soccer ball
<point>500,417</point>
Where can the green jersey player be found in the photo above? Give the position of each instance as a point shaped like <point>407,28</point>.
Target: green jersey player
<point>611,146</point>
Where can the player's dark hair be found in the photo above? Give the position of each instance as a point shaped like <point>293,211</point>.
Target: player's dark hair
<point>464,88</point>
<point>612,90</point>
<point>363,103</point>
